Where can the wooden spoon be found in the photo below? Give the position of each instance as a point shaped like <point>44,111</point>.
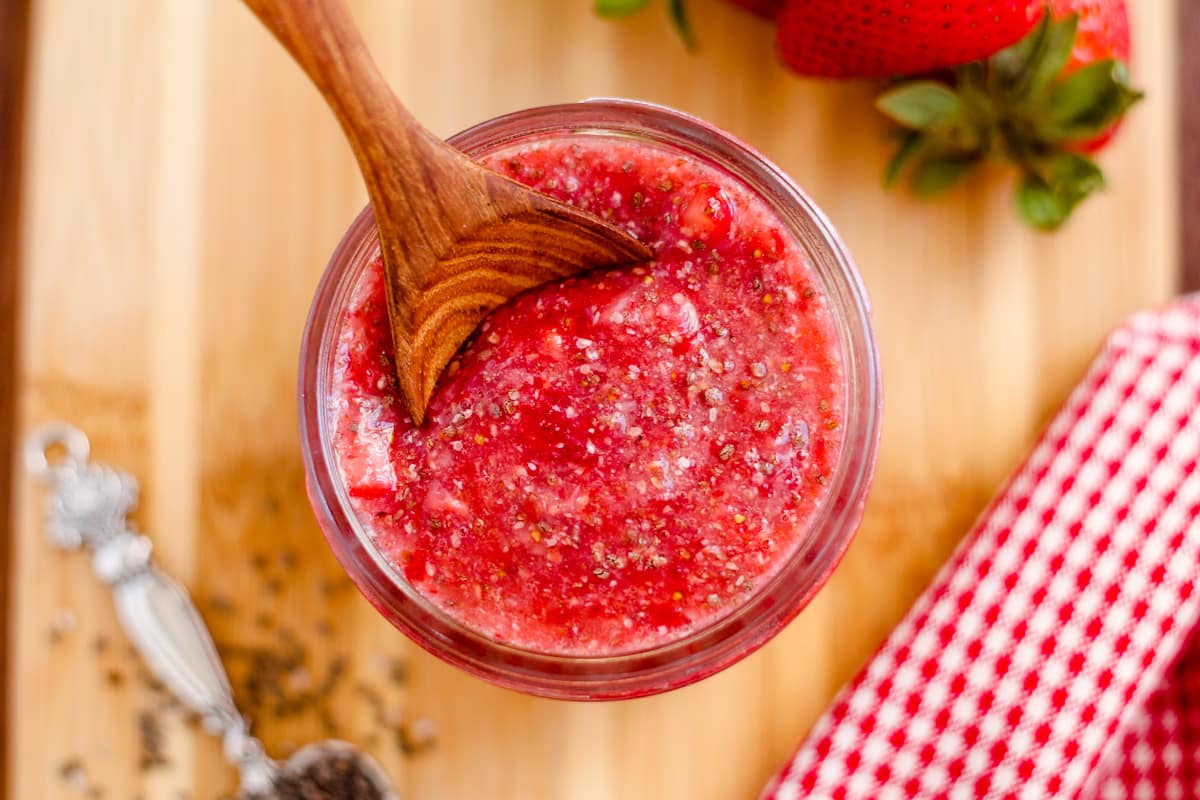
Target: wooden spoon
<point>457,239</point>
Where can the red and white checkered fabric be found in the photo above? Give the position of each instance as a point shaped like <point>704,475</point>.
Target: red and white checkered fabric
<point>1056,655</point>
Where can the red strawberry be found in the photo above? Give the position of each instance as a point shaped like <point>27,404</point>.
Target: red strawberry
<point>1042,103</point>
<point>1103,32</point>
<point>840,39</point>
<point>764,8</point>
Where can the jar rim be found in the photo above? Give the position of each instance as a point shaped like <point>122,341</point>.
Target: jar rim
<point>712,647</point>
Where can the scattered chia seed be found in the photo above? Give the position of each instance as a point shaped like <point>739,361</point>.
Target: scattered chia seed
<point>150,741</point>
<point>329,587</point>
<point>220,604</point>
<point>416,737</point>
<point>275,680</point>
<point>800,437</point>
<point>72,773</point>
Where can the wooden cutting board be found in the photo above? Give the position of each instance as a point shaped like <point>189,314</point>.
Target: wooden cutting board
<point>183,189</point>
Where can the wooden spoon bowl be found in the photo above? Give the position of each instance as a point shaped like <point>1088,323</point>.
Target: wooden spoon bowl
<point>457,239</point>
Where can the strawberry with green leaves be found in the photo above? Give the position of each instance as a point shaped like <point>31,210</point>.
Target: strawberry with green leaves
<point>1043,103</point>
<point>1042,83</point>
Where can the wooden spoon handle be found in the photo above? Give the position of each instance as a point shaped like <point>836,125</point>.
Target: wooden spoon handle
<point>395,153</point>
<point>324,41</point>
<point>392,148</point>
<point>457,239</point>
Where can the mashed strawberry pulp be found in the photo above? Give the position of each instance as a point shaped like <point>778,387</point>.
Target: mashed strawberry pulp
<point>619,459</point>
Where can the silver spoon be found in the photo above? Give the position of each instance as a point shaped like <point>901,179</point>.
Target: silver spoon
<point>88,505</point>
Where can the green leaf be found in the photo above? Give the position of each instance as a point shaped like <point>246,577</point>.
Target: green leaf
<point>1054,186</point>
<point>921,105</point>
<point>677,10</point>
<point>1010,65</point>
<point>980,110</point>
<point>1038,205</point>
<point>1088,101</point>
<point>1083,91</point>
<point>970,82</point>
<point>1073,174</point>
<point>1023,71</point>
<point>614,9</point>
<point>938,173</point>
<point>1053,56</point>
<point>911,144</point>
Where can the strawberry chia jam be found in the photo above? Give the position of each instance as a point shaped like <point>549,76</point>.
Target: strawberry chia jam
<point>621,457</point>
<point>629,479</point>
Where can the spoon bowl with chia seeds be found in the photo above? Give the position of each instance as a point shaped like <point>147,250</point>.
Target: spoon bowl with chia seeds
<point>88,507</point>
<point>327,770</point>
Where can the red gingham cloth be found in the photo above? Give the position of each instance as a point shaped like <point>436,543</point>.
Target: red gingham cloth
<point>1056,655</point>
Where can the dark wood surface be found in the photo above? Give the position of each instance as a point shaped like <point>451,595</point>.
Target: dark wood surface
<point>14,16</point>
<point>1189,144</point>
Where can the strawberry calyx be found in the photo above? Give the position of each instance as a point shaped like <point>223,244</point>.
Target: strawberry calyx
<point>676,11</point>
<point>1023,104</point>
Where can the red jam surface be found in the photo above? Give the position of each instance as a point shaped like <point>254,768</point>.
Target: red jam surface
<point>619,459</point>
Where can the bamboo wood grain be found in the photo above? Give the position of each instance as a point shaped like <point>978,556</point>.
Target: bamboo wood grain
<point>170,257</point>
<point>458,240</point>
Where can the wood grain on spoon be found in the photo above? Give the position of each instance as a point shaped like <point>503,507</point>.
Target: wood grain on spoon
<point>457,239</point>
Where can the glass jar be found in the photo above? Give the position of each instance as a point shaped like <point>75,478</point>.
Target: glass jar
<point>774,603</point>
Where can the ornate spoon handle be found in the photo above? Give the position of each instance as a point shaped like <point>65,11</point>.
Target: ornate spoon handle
<point>88,506</point>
